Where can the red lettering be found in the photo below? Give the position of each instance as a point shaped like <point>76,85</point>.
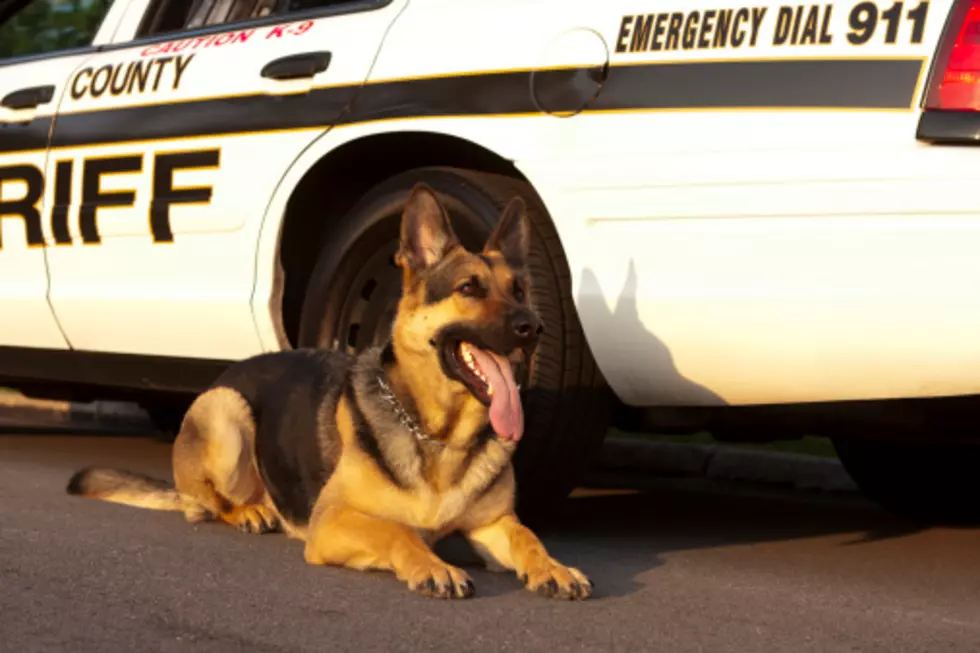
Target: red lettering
<point>180,45</point>
<point>148,50</point>
<point>276,31</point>
<point>166,47</point>
<point>224,38</point>
<point>244,35</point>
<point>303,27</point>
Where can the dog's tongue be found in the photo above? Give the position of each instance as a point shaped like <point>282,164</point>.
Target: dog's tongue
<point>506,412</point>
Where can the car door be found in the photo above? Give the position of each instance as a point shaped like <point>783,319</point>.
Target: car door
<point>169,145</point>
<point>41,42</point>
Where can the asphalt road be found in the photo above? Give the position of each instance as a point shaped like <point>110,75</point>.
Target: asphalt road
<point>676,568</point>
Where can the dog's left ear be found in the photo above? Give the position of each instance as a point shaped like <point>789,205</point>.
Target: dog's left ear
<point>512,237</point>
<point>426,235</point>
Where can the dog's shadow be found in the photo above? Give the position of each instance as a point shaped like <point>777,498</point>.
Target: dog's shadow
<point>625,337</point>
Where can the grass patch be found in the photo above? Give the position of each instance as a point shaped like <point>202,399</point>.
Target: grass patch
<point>809,445</point>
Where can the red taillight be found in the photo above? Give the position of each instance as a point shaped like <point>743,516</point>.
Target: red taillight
<point>956,74</point>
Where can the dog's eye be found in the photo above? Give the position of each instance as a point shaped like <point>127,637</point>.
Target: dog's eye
<point>469,288</point>
<point>518,291</point>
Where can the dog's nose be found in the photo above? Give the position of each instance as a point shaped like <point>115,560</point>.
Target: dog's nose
<point>526,325</point>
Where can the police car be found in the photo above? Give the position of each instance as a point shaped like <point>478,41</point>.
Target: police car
<point>758,219</point>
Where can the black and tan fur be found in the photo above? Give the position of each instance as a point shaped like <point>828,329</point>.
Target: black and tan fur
<point>303,441</point>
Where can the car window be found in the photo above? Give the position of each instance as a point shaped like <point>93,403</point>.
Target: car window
<point>174,15</point>
<point>39,26</point>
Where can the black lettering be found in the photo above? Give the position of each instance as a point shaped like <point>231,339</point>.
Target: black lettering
<point>783,23</point>
<point>796,24</point>
<point>164,193</point>
<point>892,18</point>
<point>140,75</point>
<point>77,93</point>
<point>918,18</point>
<point>641,33</point>
<point>809,36</point>
<point>862,20</point>
<point>62,202</point>
<point>97,88</point>
<point>179,67</point>
<point>118,86</point>
<point>26,207</point>
<point>94,198</point>
<point>658,33</point>
<point>825,37</point>
<point>723,28</point>
<point>690,30</point>
<point>707,24</point>
<point>624,32</point>
<point>161,62</point>
<point>738,32</point>
<point>674,30</point>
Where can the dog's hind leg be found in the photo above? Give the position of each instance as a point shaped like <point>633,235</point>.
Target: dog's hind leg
<point>214,469</point>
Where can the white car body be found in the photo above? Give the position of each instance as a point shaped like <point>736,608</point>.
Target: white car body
<point>732,240</point>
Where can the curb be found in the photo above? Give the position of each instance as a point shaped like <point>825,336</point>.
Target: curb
<point>18,410</point>
<point>721,462</point>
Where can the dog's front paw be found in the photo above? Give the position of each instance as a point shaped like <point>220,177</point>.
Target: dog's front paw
<point>253,518</point>
<point>441,581</point>
<point>555,581</point>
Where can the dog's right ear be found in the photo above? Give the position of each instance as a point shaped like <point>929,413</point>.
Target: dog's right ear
<point>426,235</point>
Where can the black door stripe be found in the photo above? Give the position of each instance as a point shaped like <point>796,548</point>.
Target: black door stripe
<point>765,84</point>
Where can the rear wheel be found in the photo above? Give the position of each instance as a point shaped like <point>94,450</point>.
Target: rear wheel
<point>923,481</point>
<point>355,286</point>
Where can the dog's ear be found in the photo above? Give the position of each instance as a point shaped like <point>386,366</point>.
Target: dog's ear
<point>426,234</point>
<point>512,237</point>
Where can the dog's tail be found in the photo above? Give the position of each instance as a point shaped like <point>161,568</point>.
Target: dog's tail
<point>124,487</point>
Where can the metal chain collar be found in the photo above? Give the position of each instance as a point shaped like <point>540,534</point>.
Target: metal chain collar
<point>406,420</point>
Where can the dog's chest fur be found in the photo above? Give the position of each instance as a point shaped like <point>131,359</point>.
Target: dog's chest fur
<point>426,483</point>
<point>303,399</point>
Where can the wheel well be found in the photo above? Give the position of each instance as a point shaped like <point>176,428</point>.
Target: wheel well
<point>335,183</point>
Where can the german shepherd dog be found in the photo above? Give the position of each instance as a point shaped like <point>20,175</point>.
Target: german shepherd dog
<point>371,458</point>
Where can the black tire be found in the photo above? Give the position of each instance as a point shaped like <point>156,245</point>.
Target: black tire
<point>566,400</point>
<point>167,414</point>
<point>922,481</point>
